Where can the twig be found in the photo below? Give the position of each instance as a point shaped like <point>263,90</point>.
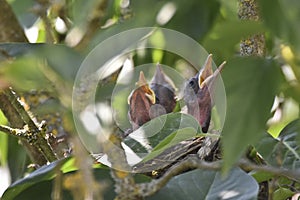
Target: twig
<point>14,100</point>
<point>193,162</point>
<point>20,133</point>
<point>290,174</point>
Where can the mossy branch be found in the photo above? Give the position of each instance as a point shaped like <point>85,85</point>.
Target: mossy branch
<point>31,133</point>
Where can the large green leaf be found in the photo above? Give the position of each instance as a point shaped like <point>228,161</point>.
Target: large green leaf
<point>251,84</point>
<point>61,59</point>
<point>25,74</point>
<point>204,184</point>
<point>283,151</point>
<point>39,184</point>
<point>158,129</point>
<point>44,189</point>
<point>42,174</point>
<point>15,50</point>
<point>22,12</point>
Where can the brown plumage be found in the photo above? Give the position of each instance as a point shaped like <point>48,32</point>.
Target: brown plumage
<point>146,103</point>
<point>140,102</point>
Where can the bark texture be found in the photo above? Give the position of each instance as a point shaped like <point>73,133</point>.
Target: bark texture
<point>11,30</point>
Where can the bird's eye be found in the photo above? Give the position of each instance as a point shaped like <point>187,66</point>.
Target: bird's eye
<point>193,84</point>
<point>156,100</point>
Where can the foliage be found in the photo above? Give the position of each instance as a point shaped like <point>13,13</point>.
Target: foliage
<point>253,118</point>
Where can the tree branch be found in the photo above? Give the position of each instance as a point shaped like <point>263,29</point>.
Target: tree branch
<point>33,135</point>
<point>16,121</point>
<point>193,162</point>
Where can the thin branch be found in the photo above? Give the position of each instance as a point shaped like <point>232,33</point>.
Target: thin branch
<point>193,162</point>
<point>20,133</point>
<point>290,174</point>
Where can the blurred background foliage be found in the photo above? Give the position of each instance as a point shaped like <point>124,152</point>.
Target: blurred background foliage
<point>263,94</point>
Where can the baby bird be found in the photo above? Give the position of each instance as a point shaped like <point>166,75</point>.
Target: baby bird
<point>140,102</point>
<point>146,103</point>
<point>197,93</point>
<point>164,90</point>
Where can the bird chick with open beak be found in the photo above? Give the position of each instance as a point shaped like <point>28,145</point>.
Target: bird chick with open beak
<point>164,90</point>
<point>146,103</point>
<point>197,93</point>
<point>140,101</point>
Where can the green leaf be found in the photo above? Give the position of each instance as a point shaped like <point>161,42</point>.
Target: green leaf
<point>39,184</point>
<point>43,189</point>
<point>251,84</point>
<point>282,193</point>
<point>171,140</point>
<point>210,185</point>
<point>41,174</point>
<point>25,74</point>
<point>15,50</point>
<point>283,151</point>
<point>62,60</point>
<point>3,148</point>
<point>261,176</point>
<point>22,11</point>
<point>3,142</point>
<point>159,128</point>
